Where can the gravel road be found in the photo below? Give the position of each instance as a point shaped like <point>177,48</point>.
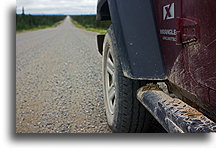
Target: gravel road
<point>58,82</point>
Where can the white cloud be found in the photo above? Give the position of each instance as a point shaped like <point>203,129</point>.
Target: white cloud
<point>69,7</point>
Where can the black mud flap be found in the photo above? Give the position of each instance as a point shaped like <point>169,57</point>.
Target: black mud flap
<point>135,30</point>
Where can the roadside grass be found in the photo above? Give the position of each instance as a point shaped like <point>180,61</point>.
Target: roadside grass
<point>40,27</point>
<point>89,23</point>
<point>26,23</point>
<point>98,30</point>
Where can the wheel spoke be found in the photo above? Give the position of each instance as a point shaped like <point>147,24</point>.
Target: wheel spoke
<point>111,93</point>
<point>110,63</point>
<point>110,67</point>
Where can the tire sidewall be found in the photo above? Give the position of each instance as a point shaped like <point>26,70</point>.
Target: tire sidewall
<point>110,45</point>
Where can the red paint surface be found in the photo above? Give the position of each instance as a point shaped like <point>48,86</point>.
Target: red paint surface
<point>191,66</point>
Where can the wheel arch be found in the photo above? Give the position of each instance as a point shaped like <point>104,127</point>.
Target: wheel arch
<point>103,12</point>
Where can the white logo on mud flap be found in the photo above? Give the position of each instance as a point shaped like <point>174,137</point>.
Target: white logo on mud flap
<point>169,11</point>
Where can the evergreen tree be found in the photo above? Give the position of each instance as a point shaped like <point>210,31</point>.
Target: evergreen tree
<point>23,11</point>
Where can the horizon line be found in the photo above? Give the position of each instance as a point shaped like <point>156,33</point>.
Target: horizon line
<point>53,14</point>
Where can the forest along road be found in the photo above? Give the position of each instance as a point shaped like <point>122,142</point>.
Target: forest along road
<point>59,82</point>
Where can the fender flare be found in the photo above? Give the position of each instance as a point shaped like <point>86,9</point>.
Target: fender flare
<point>135,29</point>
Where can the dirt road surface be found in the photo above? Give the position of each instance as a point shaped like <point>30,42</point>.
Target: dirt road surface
<point>58,82</point>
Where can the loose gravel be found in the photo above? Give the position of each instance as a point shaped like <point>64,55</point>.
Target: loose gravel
<point>58,82</point>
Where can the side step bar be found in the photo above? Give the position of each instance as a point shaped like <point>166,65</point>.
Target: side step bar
<point>173,114</point>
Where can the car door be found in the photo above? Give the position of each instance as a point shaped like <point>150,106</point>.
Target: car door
<point>186,31</point>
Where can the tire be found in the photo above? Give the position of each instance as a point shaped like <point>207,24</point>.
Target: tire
<point>125,114</point>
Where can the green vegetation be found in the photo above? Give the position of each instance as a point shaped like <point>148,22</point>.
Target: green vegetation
<point>34,22</point>
<point>89,22</point>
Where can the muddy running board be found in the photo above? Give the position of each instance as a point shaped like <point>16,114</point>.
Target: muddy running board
<point>173,114</point>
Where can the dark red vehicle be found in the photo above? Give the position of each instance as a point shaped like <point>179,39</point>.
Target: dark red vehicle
<point>163,54</point>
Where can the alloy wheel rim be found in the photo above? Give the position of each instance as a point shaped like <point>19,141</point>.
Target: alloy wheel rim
<point>110,83</point>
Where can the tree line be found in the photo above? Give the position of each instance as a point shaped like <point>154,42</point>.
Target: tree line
<point>25,22</point>
<point>89,21</point>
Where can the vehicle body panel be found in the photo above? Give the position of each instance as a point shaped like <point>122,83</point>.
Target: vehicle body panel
<point>190,65</point>
<point>170,40</point>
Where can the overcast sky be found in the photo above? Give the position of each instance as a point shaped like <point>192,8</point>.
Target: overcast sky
<point>70,7</point>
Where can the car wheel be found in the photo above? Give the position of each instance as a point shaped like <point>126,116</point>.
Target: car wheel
<point>124,112</point>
